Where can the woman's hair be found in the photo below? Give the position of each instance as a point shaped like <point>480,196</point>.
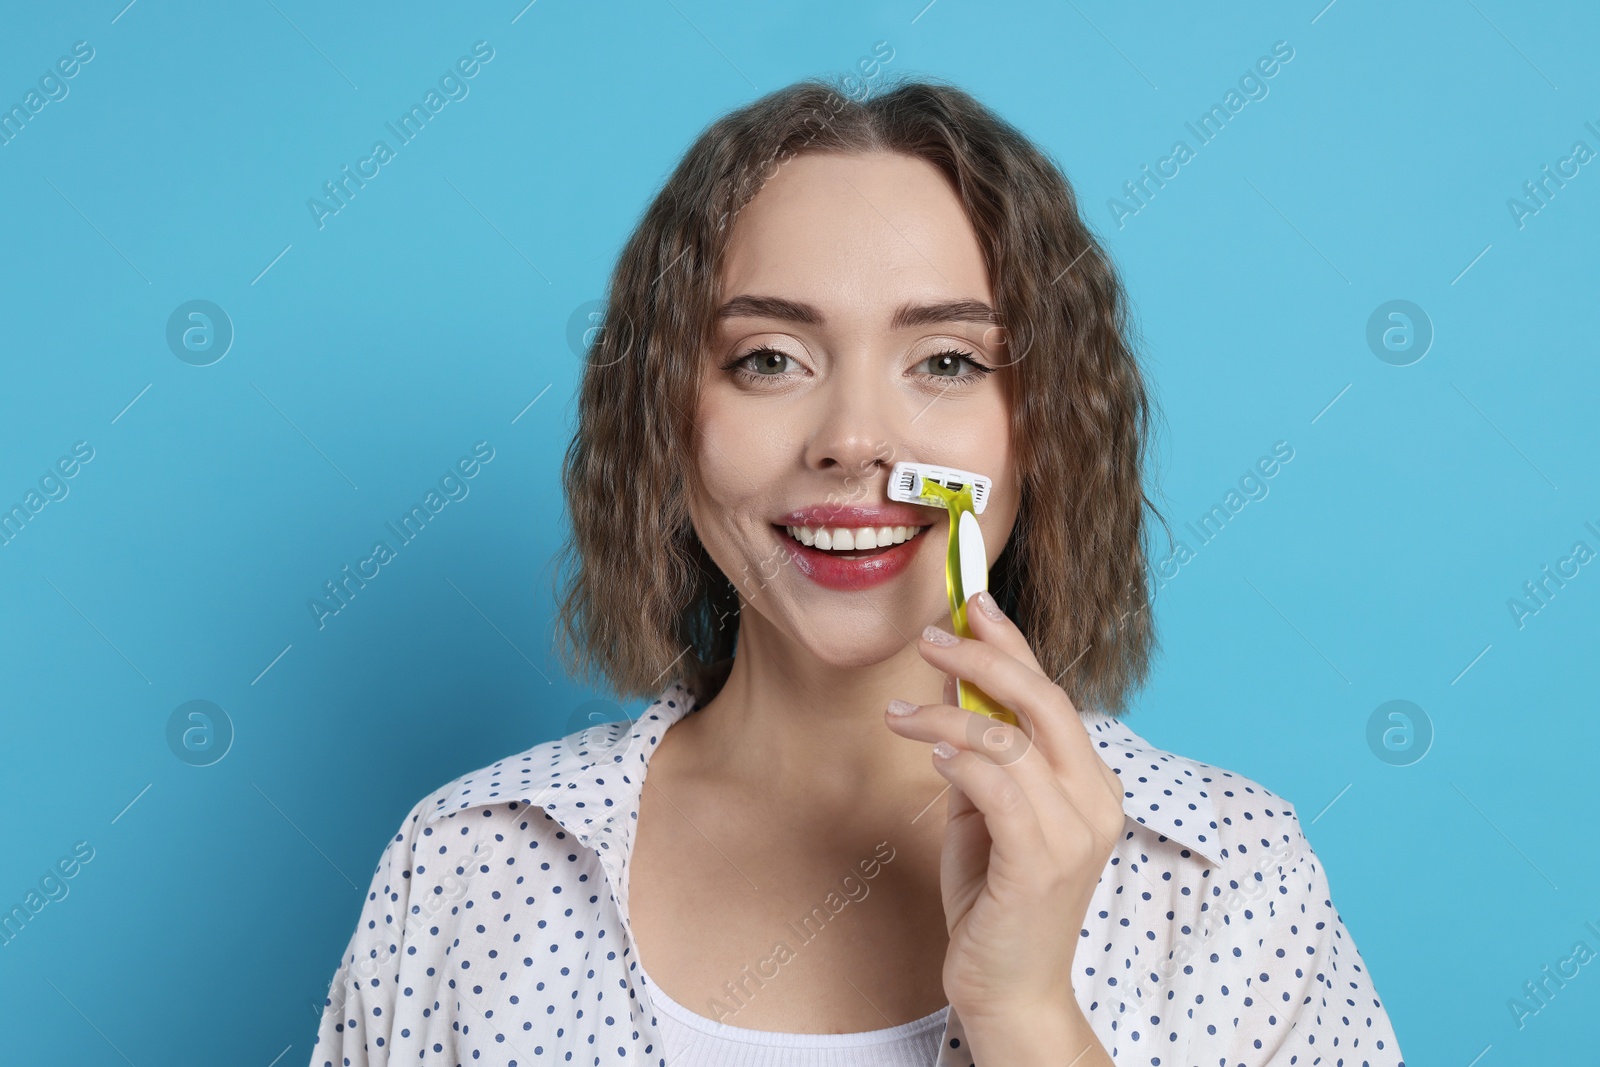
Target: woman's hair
<point>643,598</point>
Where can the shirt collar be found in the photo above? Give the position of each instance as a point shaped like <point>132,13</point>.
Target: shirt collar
<point>1162,792</point>
<point>584,780</point>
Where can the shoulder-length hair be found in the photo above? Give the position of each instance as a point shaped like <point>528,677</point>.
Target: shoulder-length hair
<point>638,595</point>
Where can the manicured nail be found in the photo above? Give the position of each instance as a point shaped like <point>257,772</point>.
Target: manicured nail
<point>944,750</point>
<point>988,606</point>
<point>935,636</point>
<point>901,707</point>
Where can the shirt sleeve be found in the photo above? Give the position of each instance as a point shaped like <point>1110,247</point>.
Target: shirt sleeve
<point>358,1013</point>
<point>1301,992</point>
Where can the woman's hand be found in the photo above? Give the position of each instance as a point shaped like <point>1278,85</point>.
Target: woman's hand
<point>1033,817</point>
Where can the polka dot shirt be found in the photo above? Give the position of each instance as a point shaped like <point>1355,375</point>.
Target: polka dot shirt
<point>496,929</point>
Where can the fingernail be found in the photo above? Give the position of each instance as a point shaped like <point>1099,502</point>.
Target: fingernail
<point>935,636</point>
<point>901,707</point>
<point>944,750</point>
<point>988,606</point>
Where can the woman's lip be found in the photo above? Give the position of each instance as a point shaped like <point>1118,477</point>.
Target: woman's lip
<point>857,515</point>
<point>831,571</point>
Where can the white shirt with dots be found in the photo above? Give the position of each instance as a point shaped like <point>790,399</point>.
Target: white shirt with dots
<point>496,929</point>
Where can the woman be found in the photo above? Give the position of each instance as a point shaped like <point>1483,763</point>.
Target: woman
<point>829,862</point>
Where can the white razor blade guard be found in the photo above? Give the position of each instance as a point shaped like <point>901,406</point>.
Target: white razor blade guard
<point>905,484</point>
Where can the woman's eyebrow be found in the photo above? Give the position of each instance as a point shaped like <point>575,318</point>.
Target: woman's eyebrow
<point>907,315</point>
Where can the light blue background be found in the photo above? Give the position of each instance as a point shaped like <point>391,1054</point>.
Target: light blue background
<point>436,306</point>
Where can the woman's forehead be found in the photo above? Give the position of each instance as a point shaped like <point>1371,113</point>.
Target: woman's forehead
<point>856,236</point>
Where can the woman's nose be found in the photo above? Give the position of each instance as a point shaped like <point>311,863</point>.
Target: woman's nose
<point>856,431</point>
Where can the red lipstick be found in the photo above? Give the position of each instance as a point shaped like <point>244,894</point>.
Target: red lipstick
<point>831,514</point>
<point>854,571</point>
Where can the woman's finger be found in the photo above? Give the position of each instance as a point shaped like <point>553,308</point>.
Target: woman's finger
<point>1008,812</point>
<point>1000,743</point>
<point>1066,811</point>
<point>991,624</point>
<point>1056,729</point>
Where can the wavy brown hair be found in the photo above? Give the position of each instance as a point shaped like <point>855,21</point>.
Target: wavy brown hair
<point>638,595</point>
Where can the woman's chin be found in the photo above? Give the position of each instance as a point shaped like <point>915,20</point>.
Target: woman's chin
<point>857,649</point>
<point>848,634</point>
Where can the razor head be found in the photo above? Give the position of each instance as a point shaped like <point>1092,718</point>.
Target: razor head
<point>906,479</point>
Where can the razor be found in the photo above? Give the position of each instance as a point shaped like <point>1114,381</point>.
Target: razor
<point>963,495</point>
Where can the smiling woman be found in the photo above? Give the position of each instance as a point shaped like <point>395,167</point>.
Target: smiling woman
<point>1004,320</point>
<point>913,283</point>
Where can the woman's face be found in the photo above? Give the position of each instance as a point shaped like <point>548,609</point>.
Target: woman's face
<point>855,332</point>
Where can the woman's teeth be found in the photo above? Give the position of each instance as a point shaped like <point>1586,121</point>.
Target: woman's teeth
<point>852,538</point>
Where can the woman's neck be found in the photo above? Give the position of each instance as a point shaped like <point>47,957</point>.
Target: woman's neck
<point>791,726</point>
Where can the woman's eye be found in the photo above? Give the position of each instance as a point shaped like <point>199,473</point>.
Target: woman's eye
<point>948,364</point>
<point>770,363</point>
<point>765,362</point>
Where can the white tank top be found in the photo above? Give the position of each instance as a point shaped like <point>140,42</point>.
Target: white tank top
<point>693,1040</point>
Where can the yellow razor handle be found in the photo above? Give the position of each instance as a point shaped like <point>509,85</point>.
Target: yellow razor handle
<point>965,565</point>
